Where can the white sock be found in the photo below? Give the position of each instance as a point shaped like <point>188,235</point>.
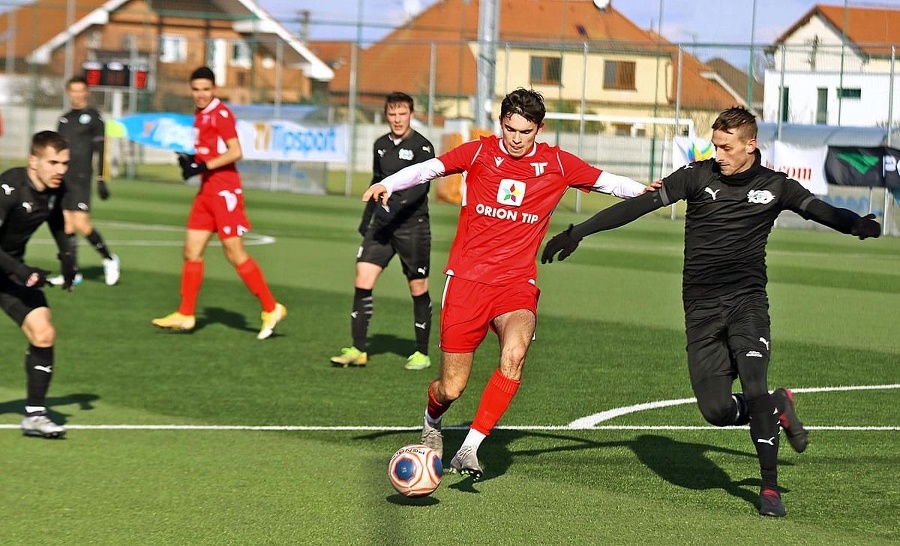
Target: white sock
<point>474,439</point>
<point>432,422</point>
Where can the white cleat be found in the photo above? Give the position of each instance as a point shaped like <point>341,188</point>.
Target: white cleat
<point>111,270</point>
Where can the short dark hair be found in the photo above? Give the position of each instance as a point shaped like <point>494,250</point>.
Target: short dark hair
<point>48,139</point>
<point>528,103</point>
<point>398,97</point>
<point>76,79</point>
<point>203,73</point>
<point>737,118</point>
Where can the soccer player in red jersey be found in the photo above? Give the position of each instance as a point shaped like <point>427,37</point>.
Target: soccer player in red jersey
<point>512,186</point>
<point>218,208</point>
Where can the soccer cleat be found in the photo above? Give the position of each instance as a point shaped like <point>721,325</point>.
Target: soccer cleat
<point>350,356</point>
<point>59,280</point>
<point>270,319</point>
<point>39,425</point>
<point>176,321</point>
<point>770,503</point>
<point>111,270</point>
<point>432,437</point>
<point>793,428</point>
<point>466,462</point>
<point>417,361</point>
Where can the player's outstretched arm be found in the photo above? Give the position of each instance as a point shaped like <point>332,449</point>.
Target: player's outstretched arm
<point>843,220</point>
<point>565,243</point>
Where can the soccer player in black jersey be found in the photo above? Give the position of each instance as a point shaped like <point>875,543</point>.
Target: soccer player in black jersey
<point>83,127</point>
<point>732,204</point>
<point>29,196</point>
<point>401,228</point>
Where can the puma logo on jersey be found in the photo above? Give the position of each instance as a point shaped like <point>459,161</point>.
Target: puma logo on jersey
<point>7,189</point>
<point>422,270</point>
<point>711,191</point>
<point>498,161</point>
<point>426,149</point>
<point>381,153</point>
<point>27,207</point>
<point>765,342</point>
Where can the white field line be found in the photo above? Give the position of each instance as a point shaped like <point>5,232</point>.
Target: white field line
<point>250,238</point>
<point>585,423</point>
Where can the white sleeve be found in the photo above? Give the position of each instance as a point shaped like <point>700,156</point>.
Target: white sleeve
<point>413,175</point>
<point>620,186</point>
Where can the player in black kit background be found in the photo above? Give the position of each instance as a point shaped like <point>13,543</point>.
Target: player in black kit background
<point>732,204</point>
<point>401,228</point>
<point>30,196</point>
<point>83,128</point>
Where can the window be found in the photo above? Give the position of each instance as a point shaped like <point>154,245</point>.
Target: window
<point>546,70</point>
<point>240,54</point>
<point>821,106</point>
<point>172,49</point>
<point>618,74</point>
<point>844,93</point>
<point>785,102</point>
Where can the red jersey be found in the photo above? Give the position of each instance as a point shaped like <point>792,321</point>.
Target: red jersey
<point>506,208</point>
<point>213,126</point>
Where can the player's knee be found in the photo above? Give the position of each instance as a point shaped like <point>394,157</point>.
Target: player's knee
<point>449,391</point>
<point>42,336</point>
<point>719,413</point>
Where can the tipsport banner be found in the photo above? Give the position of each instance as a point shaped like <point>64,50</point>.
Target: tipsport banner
<point>260,140</point>
<point>857,166</point>
<point>803,164</point>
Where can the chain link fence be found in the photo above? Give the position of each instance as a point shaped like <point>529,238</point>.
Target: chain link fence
<point>630,133</point>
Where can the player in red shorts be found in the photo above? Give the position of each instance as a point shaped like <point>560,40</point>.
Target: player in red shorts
<point>512,187</point>
<point>218,208</point>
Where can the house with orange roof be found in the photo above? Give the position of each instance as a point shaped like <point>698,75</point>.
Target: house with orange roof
<point>253,55</point>
<point>834,66</point>
<point>568,50</point>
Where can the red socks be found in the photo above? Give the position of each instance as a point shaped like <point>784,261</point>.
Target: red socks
<point>252,276</point>
<point>495,400</point>
<point>191,279</point>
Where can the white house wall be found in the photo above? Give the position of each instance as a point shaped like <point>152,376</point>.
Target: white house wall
<point>871,109</point>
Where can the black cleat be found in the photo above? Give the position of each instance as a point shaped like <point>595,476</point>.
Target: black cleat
<point>770,503</point>
<point>793,428</point>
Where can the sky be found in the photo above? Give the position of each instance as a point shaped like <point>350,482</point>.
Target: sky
<point>683,21</point>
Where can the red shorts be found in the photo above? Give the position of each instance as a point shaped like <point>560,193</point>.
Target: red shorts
<point>468,308</point>
<point>223,213</point>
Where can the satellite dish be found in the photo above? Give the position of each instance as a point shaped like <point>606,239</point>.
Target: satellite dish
<point>601,4</point>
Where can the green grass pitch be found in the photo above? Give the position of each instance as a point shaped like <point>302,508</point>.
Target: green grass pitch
<point>156,453</point>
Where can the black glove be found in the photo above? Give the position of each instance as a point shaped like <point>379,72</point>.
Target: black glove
<point>190,166</point>
<point>32,277</point>
<point>562,243</point>
<point>69,269</point>
<point>865,227</point>
<point>102,190</point>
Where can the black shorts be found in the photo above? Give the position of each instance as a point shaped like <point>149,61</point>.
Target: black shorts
<point>411,241</point>
<point>17,300</point>
<point>720,331</point>
<point>78,191</point>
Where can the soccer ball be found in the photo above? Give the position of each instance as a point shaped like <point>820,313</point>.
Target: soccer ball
<point>415,470</point>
